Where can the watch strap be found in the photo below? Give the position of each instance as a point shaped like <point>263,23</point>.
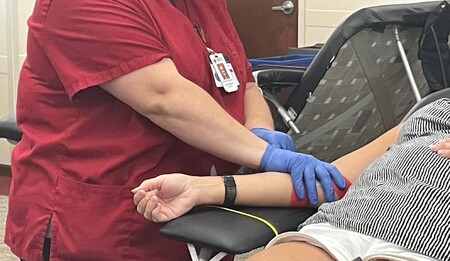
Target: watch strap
<point>230,191</point>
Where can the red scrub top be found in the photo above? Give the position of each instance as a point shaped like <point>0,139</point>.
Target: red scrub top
<point>83,150</point>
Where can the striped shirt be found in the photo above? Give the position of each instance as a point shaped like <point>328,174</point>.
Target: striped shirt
<point>404,196</point>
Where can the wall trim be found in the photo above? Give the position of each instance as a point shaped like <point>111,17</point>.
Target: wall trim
<point>3,64</point>
<point>12,43</point>
<point>301,23</point>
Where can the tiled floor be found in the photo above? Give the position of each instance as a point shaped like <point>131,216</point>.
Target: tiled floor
<point>4,184</point>
<point>5,253</point>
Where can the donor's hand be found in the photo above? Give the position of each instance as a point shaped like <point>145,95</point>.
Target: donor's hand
<point>165,197</point>
<point>442,148</point>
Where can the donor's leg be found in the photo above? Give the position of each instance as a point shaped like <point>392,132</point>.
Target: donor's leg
<point>292,251</point>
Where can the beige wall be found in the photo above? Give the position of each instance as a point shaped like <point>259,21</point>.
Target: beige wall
<point>13,17</point>
<point>318,18</point>
<point>5,96</point>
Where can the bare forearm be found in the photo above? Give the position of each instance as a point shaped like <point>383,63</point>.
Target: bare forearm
<point>257,112</point>
<point>261,189</point>
<point>352,165</point>
<point>184,109</point>
<point>208,127</point>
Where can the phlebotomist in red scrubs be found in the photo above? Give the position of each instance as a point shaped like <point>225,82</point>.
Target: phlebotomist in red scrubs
<point>114,92</point>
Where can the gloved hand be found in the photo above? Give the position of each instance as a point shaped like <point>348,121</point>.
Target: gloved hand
<point>277,139</point>
<point>304,169</point>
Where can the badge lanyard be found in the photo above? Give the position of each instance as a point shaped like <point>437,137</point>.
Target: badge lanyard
<point>222,70</point>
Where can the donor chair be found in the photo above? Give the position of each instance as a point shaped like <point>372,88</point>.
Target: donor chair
<point>368,76</point>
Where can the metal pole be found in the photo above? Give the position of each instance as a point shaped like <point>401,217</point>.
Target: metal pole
<point>412,81</point>
<point>288,120</point>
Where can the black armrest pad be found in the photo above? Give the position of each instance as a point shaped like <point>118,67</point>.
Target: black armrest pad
<point>230,232</point>
<point>444,93</point>
<point>276,77</point>
<point>9,129</point>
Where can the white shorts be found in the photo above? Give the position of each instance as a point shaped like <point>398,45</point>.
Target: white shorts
<point>346,245</point>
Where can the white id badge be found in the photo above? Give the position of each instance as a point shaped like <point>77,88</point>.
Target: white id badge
<point>231,70</point>
<point>222,70</point>
<point>216,77</point>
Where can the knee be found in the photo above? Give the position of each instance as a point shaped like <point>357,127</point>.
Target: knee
<point>292,251</point>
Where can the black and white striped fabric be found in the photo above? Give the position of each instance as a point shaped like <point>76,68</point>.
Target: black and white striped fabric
<point>404,196</point>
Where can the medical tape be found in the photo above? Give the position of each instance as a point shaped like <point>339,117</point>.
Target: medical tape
<point>267,223</point>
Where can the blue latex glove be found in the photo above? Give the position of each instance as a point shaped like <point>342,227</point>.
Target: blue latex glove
<point>304,169</point>
<point>277,139</point>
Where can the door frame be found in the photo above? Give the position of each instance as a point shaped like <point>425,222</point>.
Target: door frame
<point>301,23</point>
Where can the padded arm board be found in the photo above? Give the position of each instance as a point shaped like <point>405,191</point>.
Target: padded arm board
<point>230,232</point>
<point>9,129</point>
<point>273,78</point>
<point>445,93</point>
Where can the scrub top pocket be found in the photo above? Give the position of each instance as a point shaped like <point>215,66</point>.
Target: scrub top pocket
<point>102,215</point>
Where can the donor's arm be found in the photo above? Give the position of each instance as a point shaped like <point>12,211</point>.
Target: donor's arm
<point>171,195</point>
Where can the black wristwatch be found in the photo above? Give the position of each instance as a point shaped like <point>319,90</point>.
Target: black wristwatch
<point>230,191</point>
